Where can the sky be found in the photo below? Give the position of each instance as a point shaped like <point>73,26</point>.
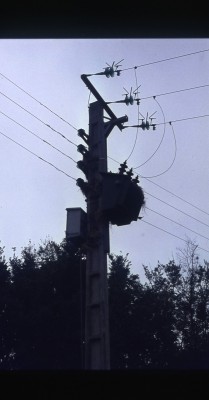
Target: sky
<point>35,195</point>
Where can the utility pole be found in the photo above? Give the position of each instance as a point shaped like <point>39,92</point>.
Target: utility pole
<point>97,321</point>
<point>111,197</point>
<point>97,353</point>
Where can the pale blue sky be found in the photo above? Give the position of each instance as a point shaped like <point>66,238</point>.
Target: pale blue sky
<point>34,195</point>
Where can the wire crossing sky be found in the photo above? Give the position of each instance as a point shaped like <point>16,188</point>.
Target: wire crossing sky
<point>166,59</point>
<point>45,141</point>
<point>175,91</point>
<point>43,101</point>
<point>34,154</point>
<point>32,97</point>
<point>34,116</point>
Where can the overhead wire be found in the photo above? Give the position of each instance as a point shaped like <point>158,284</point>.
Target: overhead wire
<point>188,215</point>
<point>125,69</point>
<point>75,180</point>
<point>188,202</point>
<point>48,126</point>
<point>137,129</point>
<point>165,60</point>
<point>174,91</point>
<point>156,184</point>
<point>152,155</point>
<point>170,166</point>
<point>113,160</point>
<point>34,134</point>
<point>184,119</point>
<point>177,209</point>
<point>41,158</point>
<point>32,97</point>
<point>158,61</point>
<point>183,226</point>
<point>169,233</point>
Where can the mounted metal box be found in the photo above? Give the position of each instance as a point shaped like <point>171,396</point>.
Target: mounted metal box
<point>122,199</point>
<point>76,227</point>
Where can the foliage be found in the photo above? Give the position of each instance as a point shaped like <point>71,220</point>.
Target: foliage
<point>44,308</point>
<point>124,288</point>
<point>160,324</point>
<point>164,323</point>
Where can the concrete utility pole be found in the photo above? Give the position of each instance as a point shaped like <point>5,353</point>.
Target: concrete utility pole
<point>97,354</point>
<point>97,326</point>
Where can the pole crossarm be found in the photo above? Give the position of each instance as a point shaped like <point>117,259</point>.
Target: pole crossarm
<point>117,121</point>
<point>110,125</point>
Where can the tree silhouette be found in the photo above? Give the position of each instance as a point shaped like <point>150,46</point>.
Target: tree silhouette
<point>160,324</point>
<point>47,321</point>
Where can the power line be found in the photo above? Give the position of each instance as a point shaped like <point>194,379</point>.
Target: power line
<point>177,196</point>
<point>165,59</point>
<point>152,155</point>
<point>175,91</point>
<point>137,129</point>
<point>166,190</point>
<point>156,184</point>
<point>156,212</point>
<point>45,141</point>
<point>177,209</point>
<point>48,126</point>
<point>32,97</point>
<point>183,119</point>
<point>169,233</point>
<point>113,159</point>
<point>162,173</point>
<point>40,158</point>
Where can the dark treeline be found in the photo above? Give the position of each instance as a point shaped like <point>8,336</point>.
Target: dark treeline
<point>160,324</point>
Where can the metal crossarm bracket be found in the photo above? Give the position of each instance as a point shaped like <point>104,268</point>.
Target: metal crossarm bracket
<point>112,123</point>
<point>89,85</point>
